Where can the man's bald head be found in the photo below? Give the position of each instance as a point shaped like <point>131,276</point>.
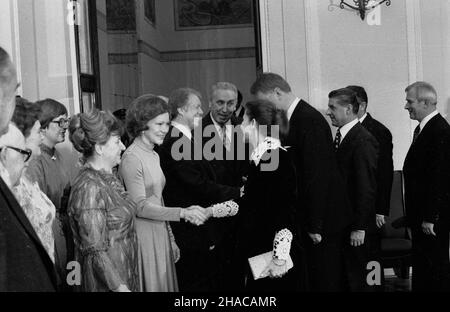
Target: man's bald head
<point>8,87</point>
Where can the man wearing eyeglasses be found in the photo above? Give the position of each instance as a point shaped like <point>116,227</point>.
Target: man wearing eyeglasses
<point>13,155</point>
<point>24,262</point>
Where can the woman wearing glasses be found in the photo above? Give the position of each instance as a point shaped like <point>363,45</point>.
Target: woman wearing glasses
<point>49,171</point>
<point>36,205</point>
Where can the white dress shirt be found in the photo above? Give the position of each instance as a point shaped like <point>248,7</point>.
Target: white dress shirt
<point>291,108</point>
<point>183,129</point>
<point>427,119</point>
<point>346,128</point>
<point>228,128</point>
<point>362,118</point>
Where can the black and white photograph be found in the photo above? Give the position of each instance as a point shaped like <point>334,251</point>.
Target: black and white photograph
<point>225,153</point>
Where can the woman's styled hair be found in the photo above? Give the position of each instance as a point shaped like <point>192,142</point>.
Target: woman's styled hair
<point>50,109</point>
<point>95,127</point>
<point>25,115</point>
<point>142,110</point>
<point>267,114</point>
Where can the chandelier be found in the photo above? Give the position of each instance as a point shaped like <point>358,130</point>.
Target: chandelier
<point>363,6</point>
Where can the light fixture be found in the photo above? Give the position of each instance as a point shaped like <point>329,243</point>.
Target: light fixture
<point>363,6</point>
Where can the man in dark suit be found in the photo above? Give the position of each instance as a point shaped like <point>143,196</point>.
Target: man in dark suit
<point>240,110</point>
<point>357,156</point>
<point>322,211</point>
<point>229,161</point>
<point>427,190</point>
<point>24,262</point>
<point>190,180</point>
<point>385,171</point>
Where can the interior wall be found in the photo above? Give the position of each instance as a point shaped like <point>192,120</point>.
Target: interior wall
<point>329,48</point>
<point>168,59</point>
<point>41,43</point>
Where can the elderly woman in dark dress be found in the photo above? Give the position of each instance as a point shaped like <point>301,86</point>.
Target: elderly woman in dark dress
<point>266,219</point>
<point>102,216</point>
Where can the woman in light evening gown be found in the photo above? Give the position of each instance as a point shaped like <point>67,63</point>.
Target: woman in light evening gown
<point>147,122</point>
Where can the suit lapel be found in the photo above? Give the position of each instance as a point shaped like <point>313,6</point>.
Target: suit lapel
<point>294,123</point>
<point>367,121</point>
<point>18,212</point>
<point>426,131</point>
<point>349,137</point>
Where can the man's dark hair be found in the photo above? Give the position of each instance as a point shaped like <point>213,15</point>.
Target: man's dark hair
<point>267,82</point>
<point>361,94</point>
<point>345,96</point>
<point>25,115</point>
<point>239,99</point>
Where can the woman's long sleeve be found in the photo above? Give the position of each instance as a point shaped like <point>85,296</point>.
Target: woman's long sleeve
<point>226,209</point>
<point>131,171</point>
<point>282,244</point>
<point>89,212</point>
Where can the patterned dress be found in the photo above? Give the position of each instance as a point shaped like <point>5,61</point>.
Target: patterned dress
<point>39,210</point>
<point>102,219</point>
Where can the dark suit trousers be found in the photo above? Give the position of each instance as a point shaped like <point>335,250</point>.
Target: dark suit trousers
<point>355,263</point>
<point>326,263</point>
<point>430,257</point>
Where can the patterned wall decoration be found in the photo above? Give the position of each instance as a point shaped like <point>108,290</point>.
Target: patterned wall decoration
<point>206,14</point>
<point>121,15</point>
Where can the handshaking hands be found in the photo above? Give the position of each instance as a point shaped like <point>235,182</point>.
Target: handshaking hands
<point>195,214</point>
<point>198,215</point>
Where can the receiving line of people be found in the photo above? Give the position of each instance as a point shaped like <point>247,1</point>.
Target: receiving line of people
<point>270,186</point>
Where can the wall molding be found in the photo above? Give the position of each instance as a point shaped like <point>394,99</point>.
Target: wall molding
<point>265,37</point>
<point>149,50</point>
<point>313,62</point>
<point>208,54</point>
<point>181,55</point>
<point>414,43</point>
<point>414,40</point>
<point>101,21</point>
<point>122,58</point>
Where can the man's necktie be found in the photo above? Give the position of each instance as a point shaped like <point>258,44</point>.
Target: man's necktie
<point>337,139</point>
<point>416,133</point>
<point>225,140</point>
